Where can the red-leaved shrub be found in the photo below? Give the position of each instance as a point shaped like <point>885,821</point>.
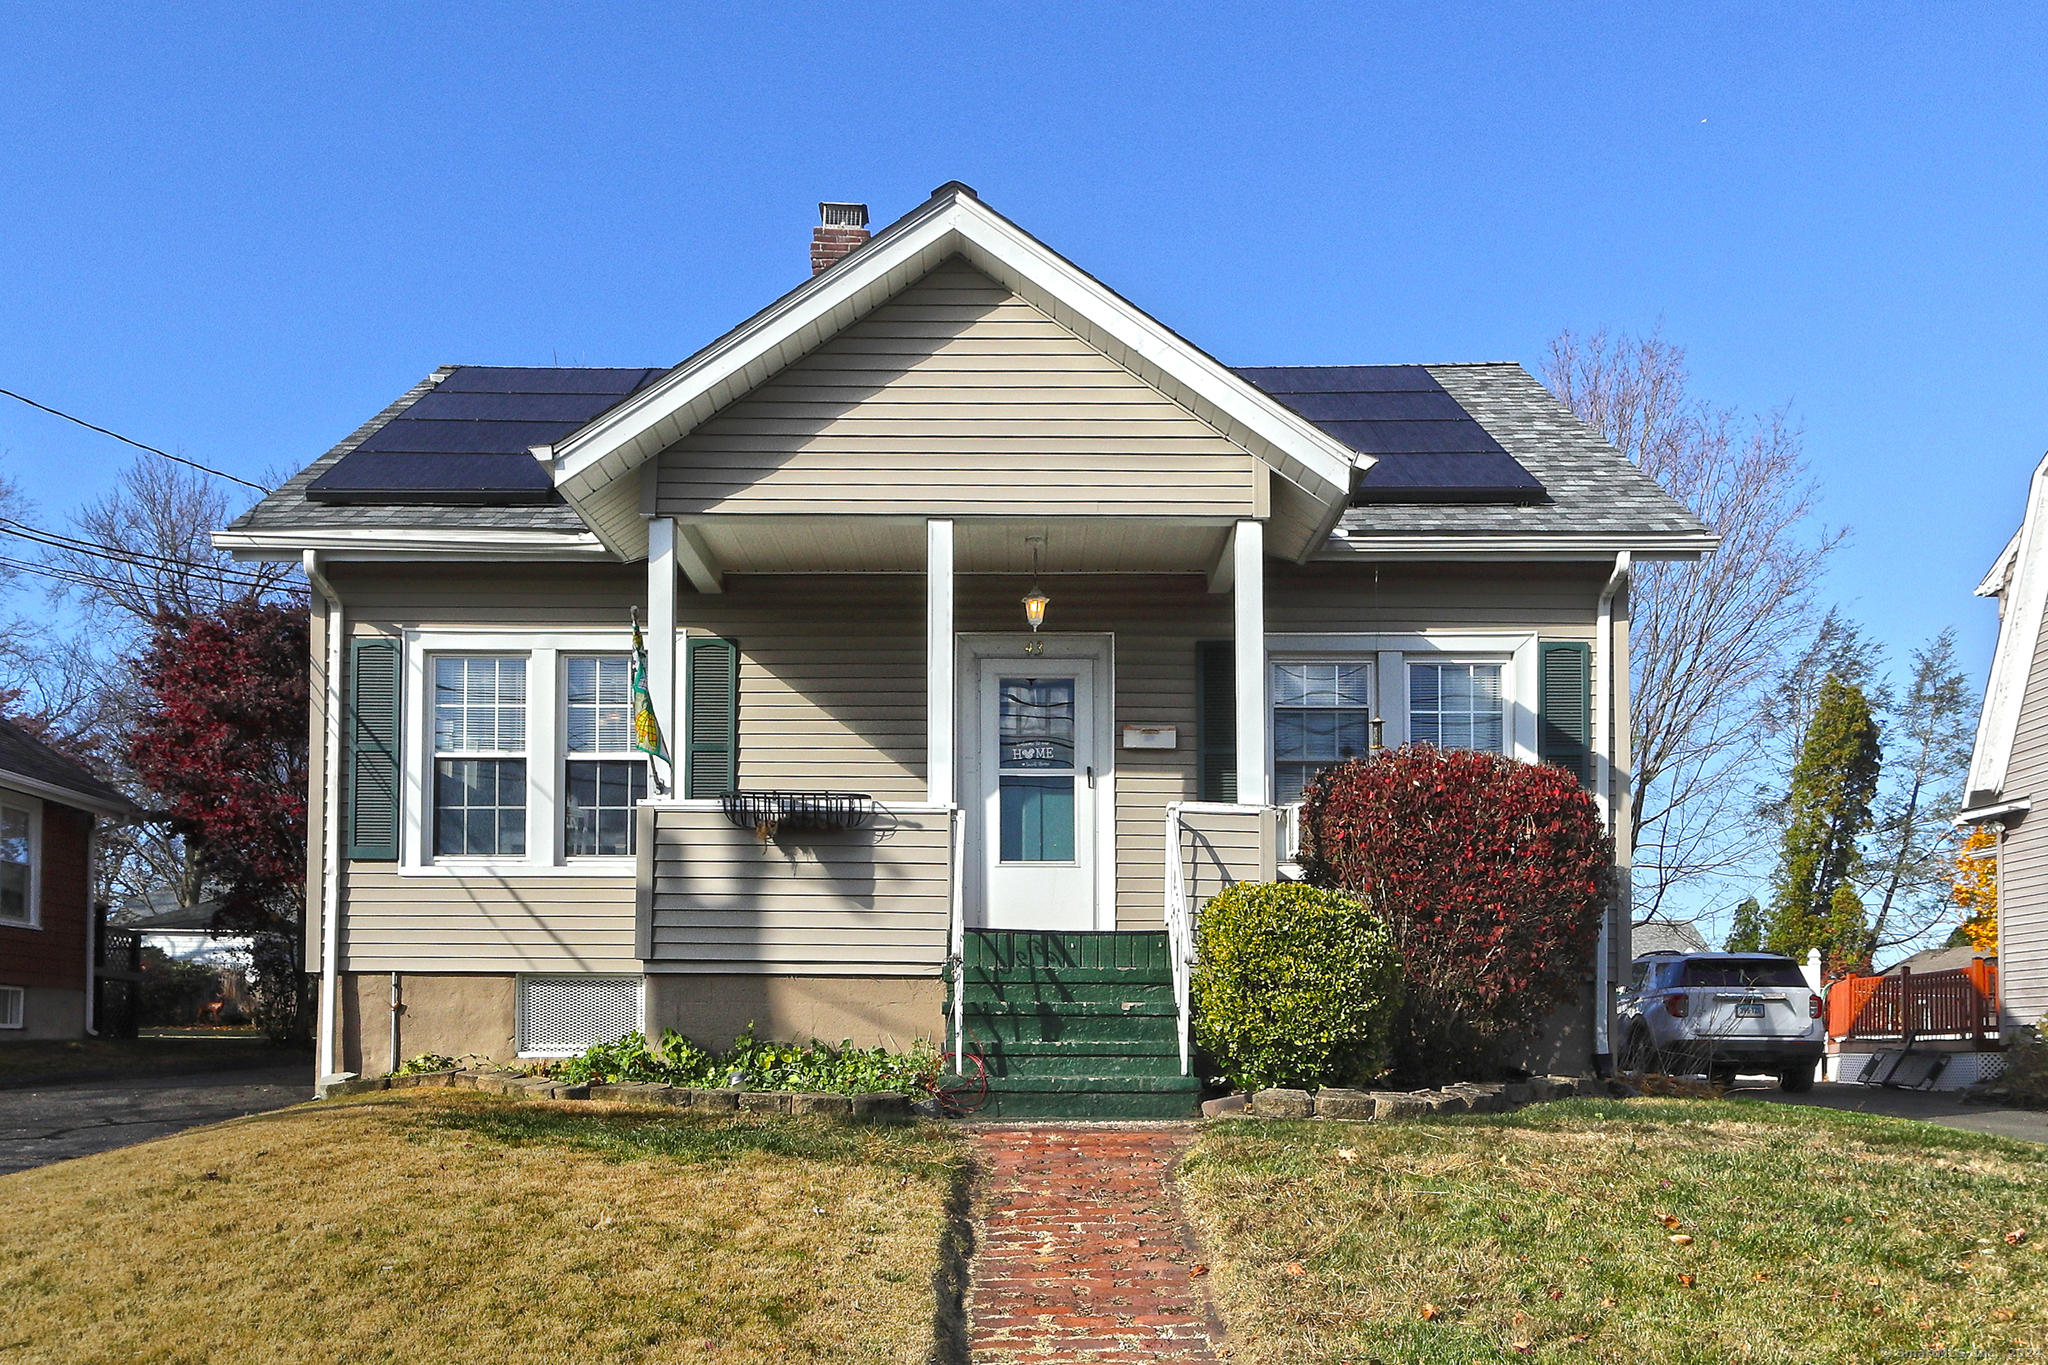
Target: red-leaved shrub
<point>1491,874</point>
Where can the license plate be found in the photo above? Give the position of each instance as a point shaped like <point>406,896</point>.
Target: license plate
<point>1749,1010</point>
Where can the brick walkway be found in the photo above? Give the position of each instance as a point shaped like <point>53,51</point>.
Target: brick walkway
<point>1081,1255</point>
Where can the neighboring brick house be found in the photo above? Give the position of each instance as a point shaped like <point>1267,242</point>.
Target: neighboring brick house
<point>49,809</point>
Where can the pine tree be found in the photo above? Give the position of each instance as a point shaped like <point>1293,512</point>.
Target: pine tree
<point>1747,934</point>
<point>1846,938</point>
<point>1828,812</point>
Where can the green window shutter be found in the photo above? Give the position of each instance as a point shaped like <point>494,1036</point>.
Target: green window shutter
<point>1564,707</point>
<point>372,763</point>
<point>1216,720</point>
<point>712,729</point>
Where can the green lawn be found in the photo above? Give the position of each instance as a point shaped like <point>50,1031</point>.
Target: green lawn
<point>229,1047</point>
<point>437,1225</point>
<point>1648,1230</point>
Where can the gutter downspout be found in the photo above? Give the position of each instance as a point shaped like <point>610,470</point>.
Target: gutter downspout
<point>329,1048</point>
<point>1603,797</point>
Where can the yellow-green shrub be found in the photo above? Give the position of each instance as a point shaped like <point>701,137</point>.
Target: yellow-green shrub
<point>1294,986</point>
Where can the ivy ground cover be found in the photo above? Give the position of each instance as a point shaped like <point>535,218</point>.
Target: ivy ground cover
<point>1646,1230</point>
<point>434,1225</point>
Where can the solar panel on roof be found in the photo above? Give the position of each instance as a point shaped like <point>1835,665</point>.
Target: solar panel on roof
<point>1426,448</point>
<point>469,439</point>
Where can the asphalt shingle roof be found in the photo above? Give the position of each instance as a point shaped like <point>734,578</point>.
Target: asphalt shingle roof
<point>23,755</point>
<point>1593,489</point>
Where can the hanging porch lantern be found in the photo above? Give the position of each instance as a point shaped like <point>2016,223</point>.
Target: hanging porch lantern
<point>1035,601</point>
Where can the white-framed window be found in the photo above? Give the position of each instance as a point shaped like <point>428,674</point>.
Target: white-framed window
<point>560,1016</point>
<point>13,1007</point>
<point>1458,704</point>
<point>20,840</point>
<point>503,742</point>
<point>603,776</point>
<point>480,769</point>
<point>1322,715</point>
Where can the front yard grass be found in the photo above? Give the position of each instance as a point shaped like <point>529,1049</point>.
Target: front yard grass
<point>1646,1230</point>
<point>435,1225</point>
<point>230,1048</point>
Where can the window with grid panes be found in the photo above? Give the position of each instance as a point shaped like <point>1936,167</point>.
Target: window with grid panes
<point>604,777</point>
<point>479,757</point>
<point>1322,715</point>
<point>1457,706</point>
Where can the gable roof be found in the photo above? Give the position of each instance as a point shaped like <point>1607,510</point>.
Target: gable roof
<point>34,767</point>
<point>1496,466</point>
<point>596,468</point>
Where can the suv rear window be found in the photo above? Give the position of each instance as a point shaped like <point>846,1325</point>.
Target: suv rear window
<point>1748,971</point>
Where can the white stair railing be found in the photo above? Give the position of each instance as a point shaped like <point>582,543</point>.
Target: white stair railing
<point>1179,910</point>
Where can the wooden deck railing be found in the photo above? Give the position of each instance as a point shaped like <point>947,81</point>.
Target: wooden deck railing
<point>1962,1003</point>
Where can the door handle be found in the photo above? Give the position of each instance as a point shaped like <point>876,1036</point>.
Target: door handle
<point>1091,779</point>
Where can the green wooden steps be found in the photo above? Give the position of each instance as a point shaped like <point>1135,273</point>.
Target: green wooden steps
<point>1075,1025</point>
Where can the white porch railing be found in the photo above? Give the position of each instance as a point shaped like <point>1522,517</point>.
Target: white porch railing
<point>1180,909</point>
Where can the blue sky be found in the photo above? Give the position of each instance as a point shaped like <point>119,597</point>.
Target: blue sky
<point>239,232</point>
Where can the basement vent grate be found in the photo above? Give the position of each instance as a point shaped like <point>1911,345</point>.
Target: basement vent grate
<point>13,1006</point>
<point>560,1016</point>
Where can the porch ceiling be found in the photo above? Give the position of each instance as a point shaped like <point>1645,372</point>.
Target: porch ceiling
<point>757,544</point>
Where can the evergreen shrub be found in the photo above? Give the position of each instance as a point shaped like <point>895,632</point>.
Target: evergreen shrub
<point>1294,986</point>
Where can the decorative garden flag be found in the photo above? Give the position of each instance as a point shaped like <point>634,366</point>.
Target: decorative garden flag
<point>646,728</point>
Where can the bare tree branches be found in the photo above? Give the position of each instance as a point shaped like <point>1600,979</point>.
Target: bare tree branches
<point>145,550</point>
<point>1709,637</point>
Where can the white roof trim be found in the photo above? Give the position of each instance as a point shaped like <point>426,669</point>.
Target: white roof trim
<point>1685,545</point>
<point>410,542</point>
<point>1980,814</point>
<point>617,443</point>
<point>1999,577</point>
<point>2024,588</point>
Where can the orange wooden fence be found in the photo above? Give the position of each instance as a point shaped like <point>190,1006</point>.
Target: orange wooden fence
<point>1955,1004</point>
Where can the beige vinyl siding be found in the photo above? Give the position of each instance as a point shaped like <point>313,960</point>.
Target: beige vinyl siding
<point>496,923</point>
<point>868,902</point>
<point>832,679</point>
<point>1219,849</point>
<point>1558,601</point>
<point>956,398</point>
<point>1156,621</point>
<point>2023,910</point>
<point>541,596</point>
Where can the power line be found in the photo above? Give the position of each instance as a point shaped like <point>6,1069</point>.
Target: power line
<point>54,412</point>
<point>134,558</point>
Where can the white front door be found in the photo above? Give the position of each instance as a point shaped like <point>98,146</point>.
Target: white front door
<point>1038,774</point>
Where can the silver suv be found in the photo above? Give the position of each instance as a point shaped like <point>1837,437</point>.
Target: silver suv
<point>1720,1014</point>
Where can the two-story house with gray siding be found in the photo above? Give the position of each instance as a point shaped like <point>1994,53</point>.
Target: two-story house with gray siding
<point>990,624</point>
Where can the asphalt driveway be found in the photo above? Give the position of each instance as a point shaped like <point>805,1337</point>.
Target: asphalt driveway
<point>58,1122</point>
<point>1929,1106</point>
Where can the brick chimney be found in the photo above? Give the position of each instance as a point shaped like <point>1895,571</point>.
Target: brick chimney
<point>841,228</point>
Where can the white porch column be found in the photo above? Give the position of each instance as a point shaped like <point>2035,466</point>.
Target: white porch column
<point>662,689</point>
<point>1248,603</point>
<point>938,661</point>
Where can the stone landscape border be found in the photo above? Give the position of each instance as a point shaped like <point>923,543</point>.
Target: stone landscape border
<point>1489,1097</point>
<point>877,1104</point>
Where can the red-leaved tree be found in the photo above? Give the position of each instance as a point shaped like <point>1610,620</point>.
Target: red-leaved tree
<point>222,743</point>
<point>1492,875</point>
